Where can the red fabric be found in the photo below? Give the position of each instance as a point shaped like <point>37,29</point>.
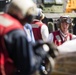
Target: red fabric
<point>6,64</point>
<point>56,41</point>
<point>14,25</point>
<point>37,30</point>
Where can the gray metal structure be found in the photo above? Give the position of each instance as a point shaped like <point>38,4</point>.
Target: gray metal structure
<point>53,8</point>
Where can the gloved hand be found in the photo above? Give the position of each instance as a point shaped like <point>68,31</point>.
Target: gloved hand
<point>43,48</point>
<point>53,50</point>
<point>39,49</point>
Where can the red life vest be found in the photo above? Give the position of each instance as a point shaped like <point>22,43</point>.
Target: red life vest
<point>58,39</point>
<point>7,24</point>
<point>36,25</point>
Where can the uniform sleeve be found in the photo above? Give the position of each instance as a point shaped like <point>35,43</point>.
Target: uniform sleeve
<point>44,32</point>
<point>28,35</point>
<point>50,38</point>
<point>29,32</point>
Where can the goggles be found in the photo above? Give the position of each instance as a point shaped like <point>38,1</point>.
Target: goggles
<point>65,19</point>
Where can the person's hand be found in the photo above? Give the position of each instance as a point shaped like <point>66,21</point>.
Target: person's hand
<point>43,48</point>
<point>53,50</point>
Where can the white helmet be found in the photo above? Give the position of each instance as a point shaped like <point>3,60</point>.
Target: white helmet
<point>39,13</point>
<point>66,19</point>
<point>25,6</point>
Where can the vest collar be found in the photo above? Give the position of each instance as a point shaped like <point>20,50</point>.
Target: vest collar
<point>64,35</point>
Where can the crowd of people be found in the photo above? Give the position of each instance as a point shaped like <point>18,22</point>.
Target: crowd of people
<point>21,27</point>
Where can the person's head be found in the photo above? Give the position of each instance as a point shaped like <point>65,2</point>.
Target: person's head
<point>39,15</point>
<point>21,8</point>
<point>64,23</point>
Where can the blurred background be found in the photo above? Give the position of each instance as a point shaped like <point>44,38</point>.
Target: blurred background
<point>52,10</point>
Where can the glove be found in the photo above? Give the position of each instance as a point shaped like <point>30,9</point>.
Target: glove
<point>39,48</point>
<point>53,50</point>
<point>43,48</point>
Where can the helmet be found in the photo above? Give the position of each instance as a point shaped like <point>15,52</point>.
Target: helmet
<point>39,11</point>
<point>39,14</point>
<point>24,6</point>
<point>66,19</point>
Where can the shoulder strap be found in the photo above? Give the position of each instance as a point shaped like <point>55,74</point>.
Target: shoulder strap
<point>37,24</point>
